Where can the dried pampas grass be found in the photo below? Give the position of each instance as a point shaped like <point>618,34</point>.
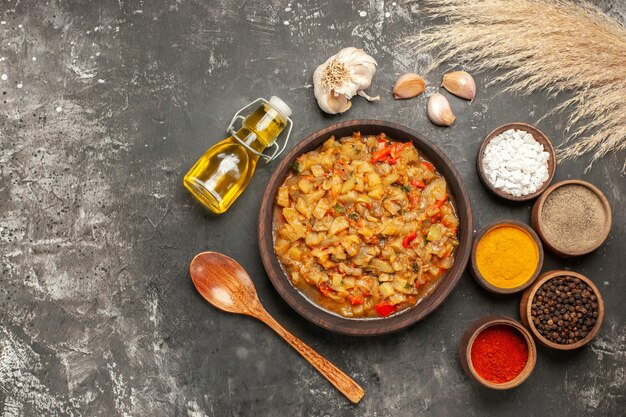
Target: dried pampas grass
<point>543,45</point>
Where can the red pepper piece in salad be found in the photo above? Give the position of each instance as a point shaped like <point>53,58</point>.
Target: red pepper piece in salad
<point>385,308</point>
<point>440,202</point>
<point>428,165</point>
<point>418,184</point>
<point>355,300</point>
<point>381,154</point>
<point>408,239</point>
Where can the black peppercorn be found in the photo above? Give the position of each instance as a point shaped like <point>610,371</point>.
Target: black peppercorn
<point>564,310</point>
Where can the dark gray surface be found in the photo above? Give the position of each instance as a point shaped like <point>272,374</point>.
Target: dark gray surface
<point>97,312</point>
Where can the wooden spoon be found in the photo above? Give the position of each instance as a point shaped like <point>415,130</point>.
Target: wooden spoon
<point>225,284</point>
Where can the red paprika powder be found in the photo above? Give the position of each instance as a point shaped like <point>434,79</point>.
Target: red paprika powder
<point>499,354</point>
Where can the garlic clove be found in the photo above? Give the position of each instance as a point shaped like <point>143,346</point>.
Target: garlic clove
<point>362,68</point>
<point>460,83</point>
<point>439,111</point>
<point>408,86</point>
<point>333,103</point>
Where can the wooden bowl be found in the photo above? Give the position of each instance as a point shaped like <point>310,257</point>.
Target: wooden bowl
<point>538,224</point>
<point>369,326</point>
<point>465,351</point>
<point>526,303</point>
<point>474,267</point>
<point>539,137</point>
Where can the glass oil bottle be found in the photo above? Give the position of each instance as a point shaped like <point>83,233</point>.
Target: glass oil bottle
<point>224,171</point>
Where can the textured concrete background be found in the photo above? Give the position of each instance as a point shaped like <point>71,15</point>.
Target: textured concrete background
<point>104,108</point>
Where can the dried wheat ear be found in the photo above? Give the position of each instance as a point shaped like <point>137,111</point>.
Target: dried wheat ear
<point>554,46</point>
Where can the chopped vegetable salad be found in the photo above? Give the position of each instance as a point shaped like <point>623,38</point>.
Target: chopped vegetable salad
<point>364,226</point>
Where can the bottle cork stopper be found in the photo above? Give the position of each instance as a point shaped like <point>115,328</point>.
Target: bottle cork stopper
<point>280,105</point>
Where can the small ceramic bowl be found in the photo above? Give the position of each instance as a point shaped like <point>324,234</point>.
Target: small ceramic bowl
<point>465,351</point>
<point>526,304</point>
<point>539,137</point>
<point>553,246</point>
<point>480,279</point>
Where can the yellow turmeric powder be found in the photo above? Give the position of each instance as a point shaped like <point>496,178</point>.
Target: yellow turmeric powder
<point>507,256</point>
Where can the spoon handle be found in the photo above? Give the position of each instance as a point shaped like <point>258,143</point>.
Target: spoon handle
<point>334,375</point>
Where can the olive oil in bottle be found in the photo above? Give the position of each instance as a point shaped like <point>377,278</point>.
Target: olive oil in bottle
<point>224,171</point>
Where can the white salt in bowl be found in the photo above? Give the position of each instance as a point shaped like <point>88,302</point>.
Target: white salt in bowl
<point>540,137</point>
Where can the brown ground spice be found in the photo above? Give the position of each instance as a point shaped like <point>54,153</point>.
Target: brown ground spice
<point>573,218</point>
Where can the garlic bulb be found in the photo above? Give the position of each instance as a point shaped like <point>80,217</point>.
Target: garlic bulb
<point>408,86</point>
<point>342,76</point>
<point>460,83</point>
<point>439,111</point>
